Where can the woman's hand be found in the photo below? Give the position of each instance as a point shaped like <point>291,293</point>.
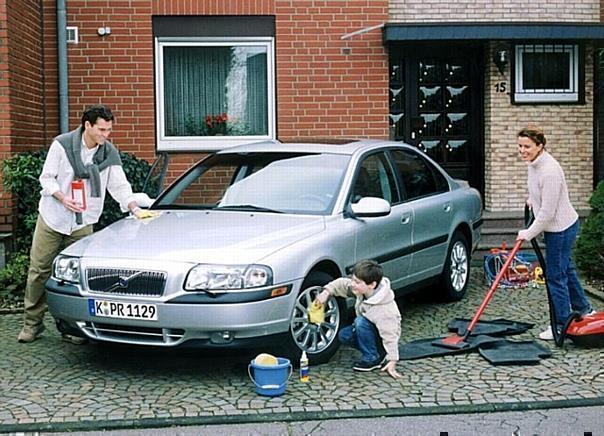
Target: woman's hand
<point>522,235</point>
<point>390,368</point>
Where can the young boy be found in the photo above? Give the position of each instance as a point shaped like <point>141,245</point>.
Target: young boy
<point>377,328</point>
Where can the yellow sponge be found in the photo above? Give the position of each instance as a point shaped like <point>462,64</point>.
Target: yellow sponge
<point>265,359</point>
<point>316,313</point>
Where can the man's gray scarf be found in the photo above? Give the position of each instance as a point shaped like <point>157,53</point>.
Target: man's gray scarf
<point>106,156</point>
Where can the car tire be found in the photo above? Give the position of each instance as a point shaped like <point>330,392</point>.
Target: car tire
<point>456,272</point>
<point>319,341</point>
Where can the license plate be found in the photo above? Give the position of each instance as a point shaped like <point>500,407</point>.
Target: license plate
<point>122,310</point>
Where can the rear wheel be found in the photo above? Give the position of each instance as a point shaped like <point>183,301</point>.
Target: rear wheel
<point>456,272</point>
<point>319,341</point>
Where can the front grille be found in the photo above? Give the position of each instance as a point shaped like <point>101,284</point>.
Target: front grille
<point>133,335</point>
<point>126,281</point>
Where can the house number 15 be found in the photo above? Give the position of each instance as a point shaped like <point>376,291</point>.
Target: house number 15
<point>501,86</point>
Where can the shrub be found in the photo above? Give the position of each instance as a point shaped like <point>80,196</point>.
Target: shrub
<point>589,252</point>
<point>13,278</point>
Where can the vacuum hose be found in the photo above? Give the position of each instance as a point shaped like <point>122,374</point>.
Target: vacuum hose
<point>558,336</point>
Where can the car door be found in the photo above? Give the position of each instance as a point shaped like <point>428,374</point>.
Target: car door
<point>425,191</point>
<point>385,239</point>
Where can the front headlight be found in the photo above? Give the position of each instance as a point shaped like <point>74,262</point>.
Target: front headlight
<point>207,277</point>
<point>67,268</point>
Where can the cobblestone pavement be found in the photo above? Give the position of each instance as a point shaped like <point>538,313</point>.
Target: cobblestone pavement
<point>53,385</point>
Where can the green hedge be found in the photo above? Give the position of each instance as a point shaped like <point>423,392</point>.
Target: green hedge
<point>21,174</point>
<point>589,251</point>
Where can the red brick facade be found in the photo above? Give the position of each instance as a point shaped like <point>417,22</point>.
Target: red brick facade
<point>321,90</point>
<point>326,86</point>
<point>22,119</point>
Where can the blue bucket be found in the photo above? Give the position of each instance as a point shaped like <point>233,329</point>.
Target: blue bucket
<point>270,380</point>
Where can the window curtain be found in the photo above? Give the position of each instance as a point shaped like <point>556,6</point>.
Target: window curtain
<point>202,81</point>
<point>257,103</point>
<point>194,87</point>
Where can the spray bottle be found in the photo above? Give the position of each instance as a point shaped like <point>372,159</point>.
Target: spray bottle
<point>304,376</point>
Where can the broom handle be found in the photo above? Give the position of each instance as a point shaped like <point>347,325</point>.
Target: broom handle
<point>494,286</point>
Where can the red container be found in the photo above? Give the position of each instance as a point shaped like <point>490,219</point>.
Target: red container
<point>78,192</point>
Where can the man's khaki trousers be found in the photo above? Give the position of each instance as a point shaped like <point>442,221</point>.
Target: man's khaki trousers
<point>45,246</point>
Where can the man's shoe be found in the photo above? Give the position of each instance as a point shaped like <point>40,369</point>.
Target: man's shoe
<point>365,366</point>
<point>75,340</point>
<point>30,333</point>
<point>547,334</point>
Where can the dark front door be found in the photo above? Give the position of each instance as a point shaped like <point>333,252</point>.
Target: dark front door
<point>436,105</point>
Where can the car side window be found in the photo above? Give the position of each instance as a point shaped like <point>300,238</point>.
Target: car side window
<point>418,176</point>
<point>374,178</point>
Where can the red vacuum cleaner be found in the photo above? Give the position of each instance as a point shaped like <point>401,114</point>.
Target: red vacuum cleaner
<point>583,330</point>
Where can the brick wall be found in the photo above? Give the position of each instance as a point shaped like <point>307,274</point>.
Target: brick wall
<point>569,133</point>
<point>21,82</point>
<point>494,10</point>
<point>327,86</point>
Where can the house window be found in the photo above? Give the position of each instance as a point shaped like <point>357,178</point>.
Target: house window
<point>547,73</point>
<point>213,93</point>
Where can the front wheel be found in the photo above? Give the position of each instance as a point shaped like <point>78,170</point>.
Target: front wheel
<point>456,272</point>
<point>319,341</point>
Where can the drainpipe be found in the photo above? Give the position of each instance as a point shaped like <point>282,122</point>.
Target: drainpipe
<point>62,66</point>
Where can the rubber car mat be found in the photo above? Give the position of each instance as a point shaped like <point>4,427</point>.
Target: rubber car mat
<point>507,352</point>
<point>425,348</point>
<point>495,327</point>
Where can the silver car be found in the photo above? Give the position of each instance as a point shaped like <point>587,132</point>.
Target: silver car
<point>245,239</point>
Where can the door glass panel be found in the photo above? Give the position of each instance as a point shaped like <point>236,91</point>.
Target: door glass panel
<point>433,149</point>
<point>457,124</point>
<point>432,124</point>
<point>397,99</point>
<point>430,98</point>
<point>429,71</point>
<point>458,97</point>
<point>456,71</point>
<point>457,151</point>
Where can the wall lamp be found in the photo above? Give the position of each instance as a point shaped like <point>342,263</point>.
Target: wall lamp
<point>501,58</point>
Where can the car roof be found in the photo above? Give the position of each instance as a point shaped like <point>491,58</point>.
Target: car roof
<point>342,146</point>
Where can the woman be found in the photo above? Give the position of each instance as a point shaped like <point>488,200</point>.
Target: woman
<point>556,217</point>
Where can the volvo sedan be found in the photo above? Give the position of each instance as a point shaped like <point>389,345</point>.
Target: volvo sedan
<point>246,238</point>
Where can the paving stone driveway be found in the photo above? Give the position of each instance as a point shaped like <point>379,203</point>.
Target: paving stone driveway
<point>52,385</point>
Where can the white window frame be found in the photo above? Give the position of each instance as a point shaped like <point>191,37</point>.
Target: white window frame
<point>210,143</point>
<point>569,95</point>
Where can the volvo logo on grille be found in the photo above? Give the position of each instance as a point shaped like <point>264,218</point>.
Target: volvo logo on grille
<point>123,282</point>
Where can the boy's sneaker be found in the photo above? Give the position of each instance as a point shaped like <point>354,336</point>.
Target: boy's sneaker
<point>30,333</point>
<point>365,366</point>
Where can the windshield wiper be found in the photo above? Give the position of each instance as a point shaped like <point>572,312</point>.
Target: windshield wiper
<point>247,207</point>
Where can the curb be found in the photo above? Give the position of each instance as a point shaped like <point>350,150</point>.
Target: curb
<point>124,424</point>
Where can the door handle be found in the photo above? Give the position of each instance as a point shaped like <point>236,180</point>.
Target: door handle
<point>447,207</point>
<point>406,218</point>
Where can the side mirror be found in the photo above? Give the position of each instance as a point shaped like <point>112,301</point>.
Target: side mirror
<point>370,207</point>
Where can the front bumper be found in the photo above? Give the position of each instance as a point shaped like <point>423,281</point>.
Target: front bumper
<point>212,324</point>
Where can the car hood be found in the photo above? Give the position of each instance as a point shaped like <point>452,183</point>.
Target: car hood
<point>199,237</point>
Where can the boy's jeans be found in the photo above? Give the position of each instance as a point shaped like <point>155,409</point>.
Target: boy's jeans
<point>364,336</point>
<point>566,291</point>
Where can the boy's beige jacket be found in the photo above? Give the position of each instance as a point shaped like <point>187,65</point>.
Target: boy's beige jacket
<point>380,309</point>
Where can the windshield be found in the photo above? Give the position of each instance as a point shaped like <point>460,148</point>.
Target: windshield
<point>264,182</point>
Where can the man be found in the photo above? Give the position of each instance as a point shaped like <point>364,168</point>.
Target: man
<point>83,155</point>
